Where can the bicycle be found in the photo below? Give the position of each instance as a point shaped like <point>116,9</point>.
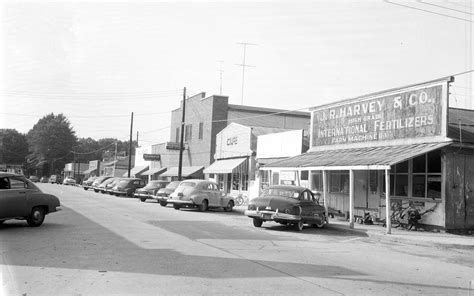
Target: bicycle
<point>397,214</point>
<point>241,200</point>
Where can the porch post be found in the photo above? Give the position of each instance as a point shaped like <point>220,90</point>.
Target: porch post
<point>388,221</point>
<point>351,199</point>
<point>325,190</point>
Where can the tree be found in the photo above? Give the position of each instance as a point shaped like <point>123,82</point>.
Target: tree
<point>51,141</point>
<point>13,147</point>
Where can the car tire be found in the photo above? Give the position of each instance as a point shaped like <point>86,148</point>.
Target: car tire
<point>176,207</point>
<point>36,217</point>
<point>229,207</point>
<point>299,225</point>
<point>320,225</point>
<point>203,206</point>
<point>85,188</point>
<point>163,203</point>
<point>142,199</point>
<point>257,222</point>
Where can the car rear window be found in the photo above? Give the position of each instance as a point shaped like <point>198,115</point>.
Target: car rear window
<point>187,184</point>
<point>281,192</point>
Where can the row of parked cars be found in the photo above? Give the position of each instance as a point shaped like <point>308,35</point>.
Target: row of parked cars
<point>53,179</point>
<point>285,204</point>
<point>289,205</point>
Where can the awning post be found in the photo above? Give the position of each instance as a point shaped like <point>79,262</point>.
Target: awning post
<point>325,194</point>
<point>351,199</point>
<point>388,220</point>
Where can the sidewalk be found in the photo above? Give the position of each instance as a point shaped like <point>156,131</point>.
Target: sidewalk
<point>421,238</point>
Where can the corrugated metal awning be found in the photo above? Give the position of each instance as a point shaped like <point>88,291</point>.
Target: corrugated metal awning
<point>153,171</point>
<point>224,166</point>
<point>185,171</point>
<point>88,171</point>
<point>138,169</point>
<point>379,157</point>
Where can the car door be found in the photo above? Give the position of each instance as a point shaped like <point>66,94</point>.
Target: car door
<point>211,195</point>
<point>13,197</point>
<point>308,206</point>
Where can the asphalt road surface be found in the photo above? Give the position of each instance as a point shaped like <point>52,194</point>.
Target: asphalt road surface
<point>106,245</point>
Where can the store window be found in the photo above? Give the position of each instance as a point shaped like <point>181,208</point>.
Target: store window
<point>275,178</point>
<point>339,182</point>
<point>264,179</point>
<point>316,183</point>
<point>419,177</point>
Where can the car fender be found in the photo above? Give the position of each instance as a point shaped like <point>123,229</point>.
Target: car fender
<point>197,198</point>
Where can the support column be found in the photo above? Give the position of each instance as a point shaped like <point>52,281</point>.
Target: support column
<point>325,190</point>
<point>388,221</point>
<point>351,199</point>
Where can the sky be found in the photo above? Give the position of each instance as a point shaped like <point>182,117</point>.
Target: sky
<point>97,62</point>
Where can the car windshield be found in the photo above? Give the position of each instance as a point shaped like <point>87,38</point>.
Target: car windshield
<point>280,192</point>
<point>173,185</point>
<point>122,182</point>
<point>187,184</point>
<point>156,184</point>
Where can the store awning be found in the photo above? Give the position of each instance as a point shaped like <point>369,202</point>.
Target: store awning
<point>137,170</point>
<point>224,166</point>
<point>185,171</point>
<point>376,158</point>
<point>109,163</point>
<point>88,171</point>
<point>153,171</point>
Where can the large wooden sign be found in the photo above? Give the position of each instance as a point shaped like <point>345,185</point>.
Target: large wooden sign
<point>410,114</point>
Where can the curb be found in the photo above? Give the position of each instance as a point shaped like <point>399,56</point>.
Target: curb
<point>426,239</point>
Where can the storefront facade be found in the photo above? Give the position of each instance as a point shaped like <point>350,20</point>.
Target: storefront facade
<point>396,148</point>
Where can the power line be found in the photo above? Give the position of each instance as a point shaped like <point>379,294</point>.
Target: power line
<point>428,11</point>
<point>444,7</point>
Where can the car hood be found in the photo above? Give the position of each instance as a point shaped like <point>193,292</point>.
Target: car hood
<point>275,202</point>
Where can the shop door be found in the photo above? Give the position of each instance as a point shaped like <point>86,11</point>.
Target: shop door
<point>360,189</point>
<point>469,190</point>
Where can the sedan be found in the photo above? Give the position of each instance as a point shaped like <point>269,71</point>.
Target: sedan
<point>150,190</point>
<point>86,184</point>
<point>44,180</point>
<point>126,186</point>
<point>69,181</point>
<point>201,194</point>
<point>288,205</point>
<point>21,199</point>
<point>163,194</point>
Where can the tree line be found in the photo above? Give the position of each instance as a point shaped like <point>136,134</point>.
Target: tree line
<point>51,143</point>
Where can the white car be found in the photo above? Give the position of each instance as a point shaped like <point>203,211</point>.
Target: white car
<point>69,181</point>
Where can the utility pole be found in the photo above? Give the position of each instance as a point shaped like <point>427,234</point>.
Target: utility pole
<point>220,76</point>
<point>115,159</point>
<point>130,147</point>
<point>243,65</point>
<point>181,144</point>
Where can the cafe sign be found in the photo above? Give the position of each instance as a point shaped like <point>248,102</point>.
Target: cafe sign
<point>407,114</point>
<point>151,157</point>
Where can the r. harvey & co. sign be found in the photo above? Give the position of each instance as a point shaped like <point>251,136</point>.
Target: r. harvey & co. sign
<point>409,114</point>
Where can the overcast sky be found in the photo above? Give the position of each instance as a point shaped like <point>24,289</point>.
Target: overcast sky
<point>96,62</point>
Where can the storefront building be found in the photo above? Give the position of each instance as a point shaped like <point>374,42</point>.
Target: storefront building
<point>398,147</point>
<point>205,118</point>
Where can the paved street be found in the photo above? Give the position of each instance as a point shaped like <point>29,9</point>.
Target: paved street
<point>101,244</point>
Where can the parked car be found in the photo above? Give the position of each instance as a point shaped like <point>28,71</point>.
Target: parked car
<point>34,178</point>
<point>201,194</point>
<point>22,199</point>
<point>104,185</point>
<point>127,186</point>
<point>163,194</point>
<point>150,190</point>
<point>86,184</point>
<point>69,181</point>
<point>98,181</point>
<point>44,179</point>
<point>288,205</point>
<point>55,179</point>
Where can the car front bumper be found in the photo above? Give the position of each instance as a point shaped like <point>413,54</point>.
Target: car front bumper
<point>271,216</point>
<point>142,195</point>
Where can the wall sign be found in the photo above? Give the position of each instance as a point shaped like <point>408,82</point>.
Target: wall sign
<point>409,114</point>
<point>152,157</point>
